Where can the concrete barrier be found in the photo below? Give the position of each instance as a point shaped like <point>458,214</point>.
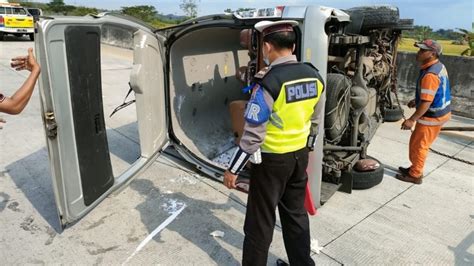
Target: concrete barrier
<point>461,75</point>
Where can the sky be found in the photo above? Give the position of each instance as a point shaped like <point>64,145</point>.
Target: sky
<point>438,14</point>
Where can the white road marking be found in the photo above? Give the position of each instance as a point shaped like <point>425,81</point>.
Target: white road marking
<point>156,231</point>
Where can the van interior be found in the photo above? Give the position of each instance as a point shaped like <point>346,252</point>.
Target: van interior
<point>203,83</point>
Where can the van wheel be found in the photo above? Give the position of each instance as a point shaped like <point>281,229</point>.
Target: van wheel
<point>337,106</point>
<point>404,24</point>
<point>393,114</point>
<point>1,36</point>
<point>32,36</point>
<point>368,179</point>
<point>376,16</point>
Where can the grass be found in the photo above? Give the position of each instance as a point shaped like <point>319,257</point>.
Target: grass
<point>161,24</point>
<point>406,45</point>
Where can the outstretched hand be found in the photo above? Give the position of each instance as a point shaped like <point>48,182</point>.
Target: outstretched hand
<point>27,62</point>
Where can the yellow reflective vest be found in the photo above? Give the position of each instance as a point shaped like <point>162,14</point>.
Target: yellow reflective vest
<point>296,89</point>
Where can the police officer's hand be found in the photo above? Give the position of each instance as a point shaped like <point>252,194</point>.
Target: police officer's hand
<point>411,104</point>
<point>311,142</point>
<point>408,124</point>
<point>229,179</point>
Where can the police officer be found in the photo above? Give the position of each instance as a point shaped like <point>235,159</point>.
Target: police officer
<point>278,121</point>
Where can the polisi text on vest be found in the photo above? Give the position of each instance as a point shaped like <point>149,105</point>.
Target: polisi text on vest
<point>300,91</point>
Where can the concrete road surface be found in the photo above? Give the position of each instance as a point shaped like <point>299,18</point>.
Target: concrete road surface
<point>166,215</point>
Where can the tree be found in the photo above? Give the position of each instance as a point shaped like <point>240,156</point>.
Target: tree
<point>189,8</point>
<point>56,6</point>
<point>145,13</point>
<point>424,32</point>
<point>469,38</point>
<point>82,11</point>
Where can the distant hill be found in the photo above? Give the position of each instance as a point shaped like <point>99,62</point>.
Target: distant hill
<point>172,17</point>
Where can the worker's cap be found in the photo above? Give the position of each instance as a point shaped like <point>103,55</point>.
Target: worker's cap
<point>431,45</point>
<point>268,27</point>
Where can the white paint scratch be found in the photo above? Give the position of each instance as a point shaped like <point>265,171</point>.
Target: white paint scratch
<point>156,231</point>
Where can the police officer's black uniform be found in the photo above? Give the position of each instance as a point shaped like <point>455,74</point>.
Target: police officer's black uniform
<point>276,122</point>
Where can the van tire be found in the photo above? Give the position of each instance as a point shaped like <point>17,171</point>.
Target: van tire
<point>392,114</point>
<point>404,24</point>
<point>337,106</point>
<point>365,180</point>
<point>32,36</point>
<point>1,36</point>
<point>376,16</point>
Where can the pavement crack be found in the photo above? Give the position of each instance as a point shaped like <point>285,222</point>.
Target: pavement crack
<point>97,223</point>
<point>450,159</point>
<point>395,197</point>
<point>367,216</point>
<point>329,256</point>
<point>101,250</point>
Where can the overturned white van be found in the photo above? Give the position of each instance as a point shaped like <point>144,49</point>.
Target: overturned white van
<point>184,79</point>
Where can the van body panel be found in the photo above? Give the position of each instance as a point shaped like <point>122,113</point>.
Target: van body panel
<point>184,79</point>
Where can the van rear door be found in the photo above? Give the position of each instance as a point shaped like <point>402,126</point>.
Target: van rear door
<point>68,50</point>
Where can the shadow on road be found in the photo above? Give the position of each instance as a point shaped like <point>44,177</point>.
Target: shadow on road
<point>32,174</point>
<point>195,223</point>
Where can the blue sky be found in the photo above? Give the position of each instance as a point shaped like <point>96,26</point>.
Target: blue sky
<point>447,14</point>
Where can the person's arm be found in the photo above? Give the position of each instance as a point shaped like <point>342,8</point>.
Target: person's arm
<point>420,111</point>
<point>17,102</point>
<point>429,86</point>
<point>253,137</point>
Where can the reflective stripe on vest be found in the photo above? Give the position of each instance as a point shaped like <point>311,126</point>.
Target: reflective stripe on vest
<point>441,104</point>
<point>430,123</point>
<point>290,121</point>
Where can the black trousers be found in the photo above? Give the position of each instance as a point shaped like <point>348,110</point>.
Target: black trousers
<point>279,180</point>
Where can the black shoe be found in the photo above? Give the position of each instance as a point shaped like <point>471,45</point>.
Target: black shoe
<point>404,170</point>
<point>281,262</point>
<point>409,178</point>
